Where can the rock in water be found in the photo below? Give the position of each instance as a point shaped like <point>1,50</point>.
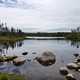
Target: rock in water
<point>47,58</point>
<point>78,60</point>
<point>72,66</point>
<point>75,61</point>
<point>63,71</point>
<point>70,77</point>
<point>76,54</point>
<point>25,53</point>
<point>34,53</point>
<point>78,65</point>
<point>19,61</point>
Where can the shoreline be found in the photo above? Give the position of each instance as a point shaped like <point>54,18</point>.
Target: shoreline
<point>11,38</point>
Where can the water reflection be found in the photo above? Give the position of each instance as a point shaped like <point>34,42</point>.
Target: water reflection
<point>16,70</point>
<point>8,67</point>
<point>36,69</point>
<point>6,45</point>
<point>17,44</point>
<point>75,44</point>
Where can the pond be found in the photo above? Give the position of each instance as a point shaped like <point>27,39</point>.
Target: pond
<point>32,69</point>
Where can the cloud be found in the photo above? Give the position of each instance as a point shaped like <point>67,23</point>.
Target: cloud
<point>41,15</point>
<point>15,4</point>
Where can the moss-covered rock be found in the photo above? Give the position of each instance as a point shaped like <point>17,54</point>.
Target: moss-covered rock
<point>47,58</point>
<point>7,58</point>
<point>10,58</point>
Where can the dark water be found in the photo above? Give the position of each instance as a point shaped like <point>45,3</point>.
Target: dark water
<point>33,70</point>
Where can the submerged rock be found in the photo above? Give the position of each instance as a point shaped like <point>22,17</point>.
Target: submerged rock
<point>34,53</point>
<point>78,60</point>
<point>72,66</point>
<point>63,71</point>
<point>70,77</point>
<point>46,59</point>
<point>25,53</point>
<point>29,60</point>
<point>19,61</point>
<point>76,54</point>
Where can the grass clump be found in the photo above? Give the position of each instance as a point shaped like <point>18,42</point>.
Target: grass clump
<point>6,76</point>
<point>7,58</point>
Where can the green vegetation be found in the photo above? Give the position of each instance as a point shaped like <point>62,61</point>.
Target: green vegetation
<point>7,58</point>
<point>6,76</point>
<point>75,35</point>
<point>11,38</point>
<point>10,35</point>
<point>46,34</point>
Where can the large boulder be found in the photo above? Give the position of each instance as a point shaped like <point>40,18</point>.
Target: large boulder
<point>19,61</point>
<point>47,58</point>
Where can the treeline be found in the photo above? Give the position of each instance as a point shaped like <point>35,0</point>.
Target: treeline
<point>75,34</point>
<point>6,31</point>
<point>44,34</point>
<point>18,34</point>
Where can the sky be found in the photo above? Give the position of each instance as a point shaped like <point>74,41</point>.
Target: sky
<point>41,15</point>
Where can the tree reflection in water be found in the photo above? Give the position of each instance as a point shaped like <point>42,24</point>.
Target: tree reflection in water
<point>75,44</point>
<point>8,66</point>
<point>7,45</point>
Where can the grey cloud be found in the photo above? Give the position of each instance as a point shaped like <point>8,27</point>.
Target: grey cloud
<point>1,2</point>
<point>43,15</point>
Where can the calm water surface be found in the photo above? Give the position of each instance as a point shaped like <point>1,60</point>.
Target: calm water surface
<point>32,70</point>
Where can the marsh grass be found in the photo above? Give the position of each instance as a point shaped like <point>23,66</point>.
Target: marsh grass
<point>11,38</point>
<point>6,76</point>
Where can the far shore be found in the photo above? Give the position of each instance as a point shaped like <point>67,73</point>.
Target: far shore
<point>11,38</point>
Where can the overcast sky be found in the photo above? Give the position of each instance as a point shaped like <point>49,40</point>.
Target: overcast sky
<point>41,15</point>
